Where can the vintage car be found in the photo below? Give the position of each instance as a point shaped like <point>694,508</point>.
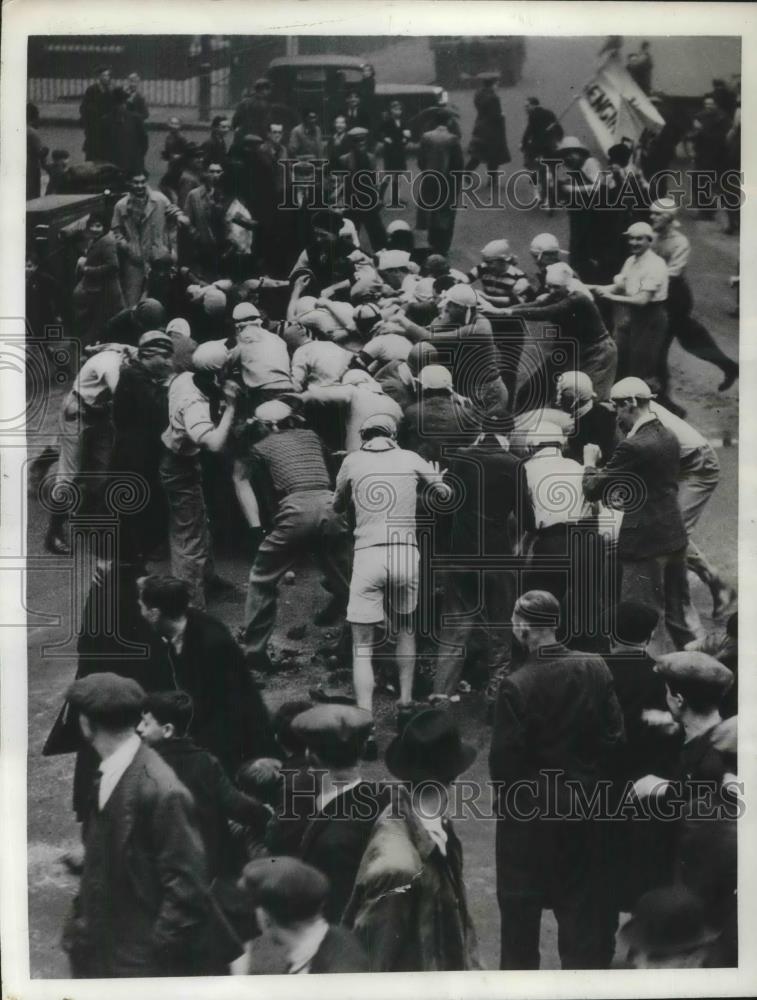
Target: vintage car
<point>321,83</point>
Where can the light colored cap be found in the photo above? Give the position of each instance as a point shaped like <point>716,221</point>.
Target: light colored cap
<point>273,411</point>
<point>544,243</point>
<point>358,132</point>
<point>383,421</point>
<point>497,250</point>
<point>423,290</point>
<point>398,226</point>
<point>179,326</point>
<point>571,142</point>
<point>391,259</point>
<point>210,356</point>
<point>461,295</point>
<point>245,310</point>
<point>435,377</point>
<point>640,229</point>
<point>577,384</point>
<point>665,205</point>
<point>631,388</point>
<point>559,274</point>
<point>367,315</point>
<point>546,433</point>
<point>355,376</point>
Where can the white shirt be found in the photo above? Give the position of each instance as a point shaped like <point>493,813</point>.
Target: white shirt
<point>555,488</point>
<point>320,362</point>
<point>688,437</point>
<point>98,378</point>
<point>435,829</point>
<point>644,419</point>
<point>646,273</point>
<point>304,951</point>
<point>188,416</point>
<point>112,768</point>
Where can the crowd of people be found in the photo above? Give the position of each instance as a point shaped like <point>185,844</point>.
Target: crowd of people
<point>489,472</point>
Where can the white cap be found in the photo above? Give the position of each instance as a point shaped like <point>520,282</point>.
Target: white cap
<point>273,411</point>
<point>496,250</point>
<point>665,205</point>
<point>210,356</point>
<point>571,142</point>
<point>435,377</point>
<point>544,243</point>
<point>631,388</point>
<point>461,295</point>
<point>305,304</point>
<point>355,376</point>
<point>390,259</point>
<point>577,384</point>
<point>179,326</point>
<point>559,274</point>
<point>398,226</point>
<point>640,229</point>
<point>546,433</point>
<point>245,310</point>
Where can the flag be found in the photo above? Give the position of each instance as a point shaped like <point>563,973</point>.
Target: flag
<point>616,108</point>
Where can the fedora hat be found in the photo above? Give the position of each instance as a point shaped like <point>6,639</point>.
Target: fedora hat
<point>429,748</point>
<point>667,921</point>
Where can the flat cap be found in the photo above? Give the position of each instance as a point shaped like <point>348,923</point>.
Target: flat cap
<point>640,229</point>
<point>390,259</point>
<point>379,421</point>
<point>694,666</point>
<point>105,694</point>
<point>358,132</point>
<point>245,310</point>
<point>435,377</point>
<point>287,888</point>
<point>332,722</point>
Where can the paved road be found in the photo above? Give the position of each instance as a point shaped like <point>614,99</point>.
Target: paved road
<point>50,824</point>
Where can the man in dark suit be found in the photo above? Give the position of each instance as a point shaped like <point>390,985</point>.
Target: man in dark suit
<point>289,897</point>
<point>643,474</point>
<point>230,718</point>
<point>440,153</point>
<point>556,729</point>
<point>96,103</point>
<point>336,808</point>
<point>479,602</point>
<point>361,191</point>
<point>142,900</point>
<point>593,422</point>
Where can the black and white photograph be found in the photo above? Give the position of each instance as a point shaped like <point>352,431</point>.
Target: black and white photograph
<point>373,429</point>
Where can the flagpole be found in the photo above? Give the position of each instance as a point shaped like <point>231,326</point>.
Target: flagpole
<point>580,94</point>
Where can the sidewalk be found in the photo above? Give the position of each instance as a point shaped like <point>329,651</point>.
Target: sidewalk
<point>67,113</point>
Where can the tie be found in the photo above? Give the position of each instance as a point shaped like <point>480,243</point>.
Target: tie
<point>95,793</point>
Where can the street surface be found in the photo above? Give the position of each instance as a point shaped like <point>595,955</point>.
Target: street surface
<point>553,66</point>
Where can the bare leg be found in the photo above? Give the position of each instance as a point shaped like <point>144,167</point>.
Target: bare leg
<point>405,654</point>
<point>363,638</point>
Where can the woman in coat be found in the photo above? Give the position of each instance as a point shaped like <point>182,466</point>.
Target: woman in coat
<point>97,296</point>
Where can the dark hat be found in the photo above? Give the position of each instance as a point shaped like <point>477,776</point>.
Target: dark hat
<point>102,695</point>
<point>331,724</point>
<point>155,340</point>
<point>620,154</point>
<point>429,749</point>
<point>436,264</point>
<point>667,922</point>
<point>286,887</point>
<point>250,137</point>
<point>695,666</point>
<point>332,222</point>
<point>150,314</point>
<point>635,622</point>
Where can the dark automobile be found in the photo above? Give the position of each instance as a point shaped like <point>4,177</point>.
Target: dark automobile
<point>321,83</point>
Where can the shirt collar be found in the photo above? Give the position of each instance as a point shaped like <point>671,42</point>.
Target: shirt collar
<point>323,800</point>
<point>434,827</point>
<point>379,444</point>
<point>646,418</point>
<point>305,949</point>
<point>583,410</point>
<point>113,766</point>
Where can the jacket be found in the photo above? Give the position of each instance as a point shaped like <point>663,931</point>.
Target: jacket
<point>340,951</point>
<point>644,469</point>
<point>149,238</point>
<point>409,905</point>
<point>436,423</point>
<point>230,719</point>
<point>98,296</point>
<point>216,801</point>
<point>152,868</point>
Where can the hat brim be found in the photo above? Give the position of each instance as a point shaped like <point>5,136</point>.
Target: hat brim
<point>406,770</point>
<point>631,935</point>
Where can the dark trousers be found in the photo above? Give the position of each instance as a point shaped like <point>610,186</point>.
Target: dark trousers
<point>690,333</point>
<point>304,525</point>
<point>188,532</point>
<point>661,581</point>
<point>374,226</point>
<point>559,865</point>
<point>474,606</point>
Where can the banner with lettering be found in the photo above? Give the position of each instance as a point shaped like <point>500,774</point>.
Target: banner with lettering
<point>616,108</point>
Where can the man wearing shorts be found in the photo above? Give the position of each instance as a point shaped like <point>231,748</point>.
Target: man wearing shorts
<point>381,481</point>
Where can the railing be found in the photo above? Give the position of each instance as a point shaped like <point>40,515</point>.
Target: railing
<point>159,93</point>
